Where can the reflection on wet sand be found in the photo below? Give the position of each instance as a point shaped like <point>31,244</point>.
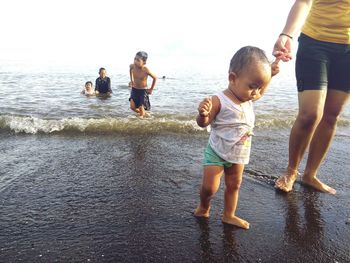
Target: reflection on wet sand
<point>229,242</point>
<point>304,232</point>
<point>230,247</point>
<point>206,250</point>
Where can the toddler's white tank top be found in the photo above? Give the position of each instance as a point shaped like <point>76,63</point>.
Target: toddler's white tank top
<point>231,130</point>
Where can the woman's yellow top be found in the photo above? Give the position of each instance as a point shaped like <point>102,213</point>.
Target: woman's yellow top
<point>329,20</point>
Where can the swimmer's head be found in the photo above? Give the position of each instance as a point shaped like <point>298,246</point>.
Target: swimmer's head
<point>142,55</point>
<point>102,72</point>
<point>88,84</point>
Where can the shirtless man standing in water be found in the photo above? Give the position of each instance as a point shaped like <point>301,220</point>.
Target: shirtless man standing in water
<point>138,82</point>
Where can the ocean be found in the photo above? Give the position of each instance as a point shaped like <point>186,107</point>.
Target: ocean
<point>44,100</point>
<point>82,179</point>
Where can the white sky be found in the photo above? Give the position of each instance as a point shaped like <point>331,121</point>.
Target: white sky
<point>98,32</point>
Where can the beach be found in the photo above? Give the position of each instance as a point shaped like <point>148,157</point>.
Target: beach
<point>89,178</point>
<point>82,179</point>
<point>107,197</point>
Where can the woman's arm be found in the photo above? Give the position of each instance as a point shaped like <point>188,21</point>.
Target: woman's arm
<point>296,18</point>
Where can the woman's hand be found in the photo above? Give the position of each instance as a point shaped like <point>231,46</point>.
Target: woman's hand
<point>283,48</point>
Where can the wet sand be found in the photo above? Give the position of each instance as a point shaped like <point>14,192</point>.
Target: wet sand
<point>129,198</point>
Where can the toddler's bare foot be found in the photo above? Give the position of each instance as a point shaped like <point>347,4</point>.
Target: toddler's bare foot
<point>236,221</point>
<point>318,185</point>
<point>201,212</point>
<point>286,181</point>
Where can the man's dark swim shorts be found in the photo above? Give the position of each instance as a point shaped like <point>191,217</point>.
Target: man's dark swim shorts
<point>140,97</point>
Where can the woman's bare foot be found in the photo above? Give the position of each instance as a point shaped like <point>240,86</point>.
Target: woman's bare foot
<point>286,181</point>
<point>201,212</point>
<point>236,221</point>
<point>318,185</point>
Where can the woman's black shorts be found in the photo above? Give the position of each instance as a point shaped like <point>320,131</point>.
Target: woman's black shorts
<point>322,65</point>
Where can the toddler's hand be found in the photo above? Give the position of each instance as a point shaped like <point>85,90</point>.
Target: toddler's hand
<point>204,107</point>
<point>275,68</point>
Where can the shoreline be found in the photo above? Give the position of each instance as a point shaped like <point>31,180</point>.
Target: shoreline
<point>103,198</point>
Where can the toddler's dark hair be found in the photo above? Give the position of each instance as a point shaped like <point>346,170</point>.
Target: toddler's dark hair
<point>245,56</point>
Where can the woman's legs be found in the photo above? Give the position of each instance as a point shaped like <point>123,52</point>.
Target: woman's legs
<point>323,81</point>
<point>314,126</point>
<point>311,104</point>
<point>322,138</point>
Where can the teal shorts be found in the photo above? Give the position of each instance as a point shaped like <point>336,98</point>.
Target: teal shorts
<point>212,159</point>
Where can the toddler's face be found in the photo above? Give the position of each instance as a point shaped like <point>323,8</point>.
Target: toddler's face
<point>88,86</point>
<point>251,81</point>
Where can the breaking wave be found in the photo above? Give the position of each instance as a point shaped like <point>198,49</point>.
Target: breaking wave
<point>130,124</point>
